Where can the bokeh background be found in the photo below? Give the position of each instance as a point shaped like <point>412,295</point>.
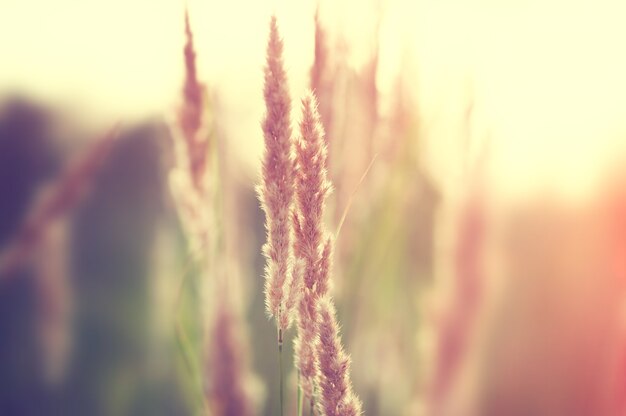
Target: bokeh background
<point>477,154</point>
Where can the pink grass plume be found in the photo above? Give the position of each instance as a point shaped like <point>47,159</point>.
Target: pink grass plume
<point>192,179</point>
<point>323,365</point>
<point>311,246</point>
<point>277,187</point>
<point>336,395</point>
<point>191,113</point>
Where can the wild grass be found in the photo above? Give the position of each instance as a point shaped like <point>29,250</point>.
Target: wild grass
<point>345,281</point>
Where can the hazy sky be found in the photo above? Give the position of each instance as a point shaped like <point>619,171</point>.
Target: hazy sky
<point>548,77</point>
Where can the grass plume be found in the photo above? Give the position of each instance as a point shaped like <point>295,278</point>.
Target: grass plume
<point>336,395</point>
<point>320,358</point>
<point>277,187</point>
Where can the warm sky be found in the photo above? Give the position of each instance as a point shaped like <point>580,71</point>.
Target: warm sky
<point>548,77</point>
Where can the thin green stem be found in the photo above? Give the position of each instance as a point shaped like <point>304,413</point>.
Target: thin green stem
<point>299,396</point>
<point>280,368</point>
<point>184,344</point>
<point>313,411</point>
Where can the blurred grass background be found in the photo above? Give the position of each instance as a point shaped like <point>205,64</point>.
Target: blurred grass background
<point>507,116</point>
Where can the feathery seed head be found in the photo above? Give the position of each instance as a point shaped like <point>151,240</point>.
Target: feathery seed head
<point>277,187</point>
<point>324,267</point>
<point>191,115</point>
<point>292,298</point>
<point>336,398</point>
<point>312,189</point>
<point>350,406</point>
<point>306,343</point>
<point>190,179</point>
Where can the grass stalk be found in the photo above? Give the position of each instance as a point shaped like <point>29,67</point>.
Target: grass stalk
<point>280,369</point>
<point>299,402</point>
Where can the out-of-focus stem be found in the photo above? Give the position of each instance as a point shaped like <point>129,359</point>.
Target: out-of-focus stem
<point>184,344</point>
<point>299,402</point>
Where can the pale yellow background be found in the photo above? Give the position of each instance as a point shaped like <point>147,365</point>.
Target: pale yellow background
<point>548,78</point>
